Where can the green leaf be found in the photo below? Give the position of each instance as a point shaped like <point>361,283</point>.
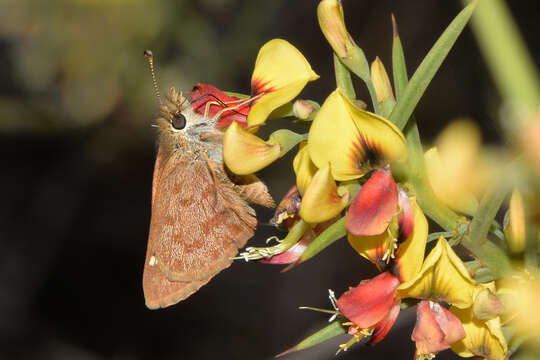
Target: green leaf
<point>326,333</point>
<point>428,68</point>
<point>399,68</point>
<point>334,232</point>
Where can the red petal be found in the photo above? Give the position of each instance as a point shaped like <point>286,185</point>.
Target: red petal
<point>369,302</point>
<point>204,93</point>
<point>436,328</point>
<point>405,217</point>
<point>383,327</point>
<point>372,209</point>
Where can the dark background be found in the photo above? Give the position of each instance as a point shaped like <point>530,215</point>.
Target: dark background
<point>76,104</point>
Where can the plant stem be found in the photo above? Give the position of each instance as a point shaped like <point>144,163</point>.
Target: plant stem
<point>343,78</point>
<point>506,54</point>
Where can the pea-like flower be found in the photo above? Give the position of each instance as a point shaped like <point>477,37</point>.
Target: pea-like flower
<point>352,140</point>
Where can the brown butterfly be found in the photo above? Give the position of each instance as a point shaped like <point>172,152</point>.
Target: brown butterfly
<point>200,214</point>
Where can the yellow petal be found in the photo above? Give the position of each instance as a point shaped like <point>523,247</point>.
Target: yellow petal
<point>372,248</point>
<point>303,168</point>
<point>443,277</point>
<point>281,72</point>
<point>514,228</point>
<point>354,141</point>
<point>445,187</point>
<point>410,253</point>
<point>483,338</point>
<point>321,201</point>
<point>245,153</point>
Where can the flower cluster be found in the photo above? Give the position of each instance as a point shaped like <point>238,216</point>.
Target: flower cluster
<point>364,176</point>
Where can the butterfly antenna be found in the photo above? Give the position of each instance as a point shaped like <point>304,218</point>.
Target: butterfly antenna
<point>150,57</point>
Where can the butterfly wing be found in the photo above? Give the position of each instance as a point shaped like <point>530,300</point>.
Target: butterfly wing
<point>197,226</point>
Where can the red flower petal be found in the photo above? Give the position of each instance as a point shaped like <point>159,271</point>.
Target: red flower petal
<point>436,328</point>
<point>204,93</point>
<point>369,302</point>
<point>383,327</point>
<point>372,209</point>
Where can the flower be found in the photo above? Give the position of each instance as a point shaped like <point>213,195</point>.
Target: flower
<point>402,246</point>
<point>352,140</point>
<point>483,337</point>
<point>435,330</point>
<point>456,168</point>
<point>374,206</point>
<point>281,72</point>
<point>372,307</point>
<point>443,277</point>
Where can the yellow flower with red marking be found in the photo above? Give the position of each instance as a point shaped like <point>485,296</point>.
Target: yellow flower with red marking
<point>281,72</point>
<point>352,140</point>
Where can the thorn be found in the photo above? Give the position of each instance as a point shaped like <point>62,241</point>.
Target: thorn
<point>394,27</point>
<point>288,351</point>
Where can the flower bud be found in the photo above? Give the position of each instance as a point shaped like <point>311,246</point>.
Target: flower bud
<point>330,15</point>
<point>514,224</point>
<point>305,109</point>
<point>383,87</point>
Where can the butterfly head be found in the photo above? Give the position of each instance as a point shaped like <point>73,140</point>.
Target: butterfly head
<point>179,123</point>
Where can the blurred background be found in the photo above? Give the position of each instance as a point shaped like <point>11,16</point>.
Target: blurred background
<point>77,152</point>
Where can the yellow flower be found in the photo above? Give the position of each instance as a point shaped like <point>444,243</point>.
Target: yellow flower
<point>354,141</point>
<point>483,337</point>
<point>443,277</point>
<point>281,72</point>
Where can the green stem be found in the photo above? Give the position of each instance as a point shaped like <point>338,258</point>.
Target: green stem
<point>487,252</point>
<point>356,62</point>
<point>343,78</point>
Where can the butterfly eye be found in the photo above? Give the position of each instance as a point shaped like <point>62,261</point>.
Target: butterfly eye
<point>178,121</point>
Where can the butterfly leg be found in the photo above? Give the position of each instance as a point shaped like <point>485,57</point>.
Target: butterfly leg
<point>211,167</point>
